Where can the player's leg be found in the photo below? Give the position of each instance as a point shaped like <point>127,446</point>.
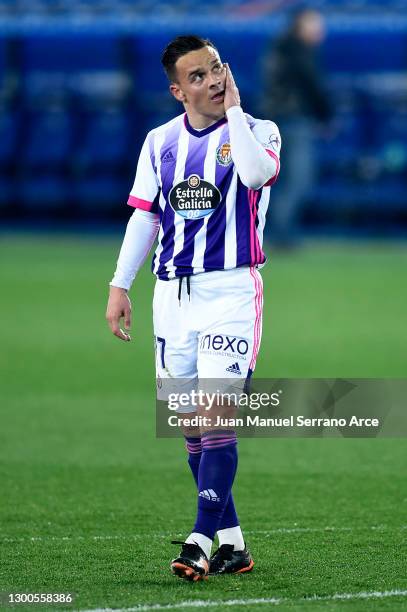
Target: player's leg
<point>176,357</point>
<point>176,372</point>
<point>216,473</point>
<point>217,470</point>
<point>194,449</point>
<point>193,446</point>
<point>227,352</point>
<point>193,561</point>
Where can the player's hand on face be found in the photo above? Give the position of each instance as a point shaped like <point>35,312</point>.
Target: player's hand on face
<point>118,307</point>
<point>232,96</point>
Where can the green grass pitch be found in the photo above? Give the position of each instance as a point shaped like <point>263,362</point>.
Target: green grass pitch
<point>90,499</point>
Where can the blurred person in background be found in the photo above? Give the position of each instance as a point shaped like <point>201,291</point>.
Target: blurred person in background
<point>296,98</point>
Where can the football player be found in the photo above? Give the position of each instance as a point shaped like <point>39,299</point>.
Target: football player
<point>202,187</point>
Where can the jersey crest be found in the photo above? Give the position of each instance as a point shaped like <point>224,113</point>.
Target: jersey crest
<point>223,154</point>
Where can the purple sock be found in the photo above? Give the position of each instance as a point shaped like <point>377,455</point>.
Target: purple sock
<point>217,470</point>
<point>229,517</point>
<point>193,446</point>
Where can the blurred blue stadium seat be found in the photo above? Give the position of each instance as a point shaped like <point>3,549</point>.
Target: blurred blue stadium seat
<point>358,196</point>
<point>43,193</point>
<point>48,139</point>
<point>106,141</point>
<point>9,124</point>
<point>355,51</point>
<point>7,192</point>
<point>62,52</point>
<point>2,60</point>
<point>98,193</point>
<point>338,151</point>
<point>90,68</point>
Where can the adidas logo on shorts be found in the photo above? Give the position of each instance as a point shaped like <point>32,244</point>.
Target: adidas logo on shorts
<point>209,494</point>
<point>234,368</point>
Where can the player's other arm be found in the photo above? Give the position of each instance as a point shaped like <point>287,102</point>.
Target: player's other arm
<point>256,165</point>
<point>140,235</point>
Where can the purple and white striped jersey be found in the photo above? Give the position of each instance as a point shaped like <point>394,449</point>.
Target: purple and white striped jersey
<point>209,220</point>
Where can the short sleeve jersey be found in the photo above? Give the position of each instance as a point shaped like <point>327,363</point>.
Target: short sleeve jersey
<point>209,220</point>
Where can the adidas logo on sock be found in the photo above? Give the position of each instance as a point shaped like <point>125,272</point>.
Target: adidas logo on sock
<point>209,494</point>
<point>167,157</point>
<point>234,368</point>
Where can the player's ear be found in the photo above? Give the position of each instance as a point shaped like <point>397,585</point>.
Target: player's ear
<point>177,92</point>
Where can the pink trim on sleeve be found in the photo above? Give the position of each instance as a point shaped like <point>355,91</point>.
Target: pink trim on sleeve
<point>273,178</point>
<point>139,203</point>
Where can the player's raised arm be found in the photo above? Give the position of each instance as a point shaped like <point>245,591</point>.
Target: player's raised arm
<point>255,165</point>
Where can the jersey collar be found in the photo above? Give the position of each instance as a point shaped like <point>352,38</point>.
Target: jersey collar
<point>206,131</point>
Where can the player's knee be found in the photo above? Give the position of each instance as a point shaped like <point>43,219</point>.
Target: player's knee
<point>190,431</point>
<point>216,416</point>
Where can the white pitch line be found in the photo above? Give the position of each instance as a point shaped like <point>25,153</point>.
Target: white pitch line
<point>326,529</point>
<point>202,603</point>
<point>191,603</point>
<point>362,595</point>
<point>170,534</point>
<point>81,538</point>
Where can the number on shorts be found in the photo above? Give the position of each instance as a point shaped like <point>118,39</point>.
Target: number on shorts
<point>161,341</point>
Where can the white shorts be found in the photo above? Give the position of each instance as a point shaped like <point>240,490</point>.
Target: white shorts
<point>212,333</point>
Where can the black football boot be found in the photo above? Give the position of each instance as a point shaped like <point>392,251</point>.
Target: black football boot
<point>192,564</point>
<point>225,560</point>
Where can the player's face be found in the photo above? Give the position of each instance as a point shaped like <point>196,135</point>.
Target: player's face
<point>200,86</point>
